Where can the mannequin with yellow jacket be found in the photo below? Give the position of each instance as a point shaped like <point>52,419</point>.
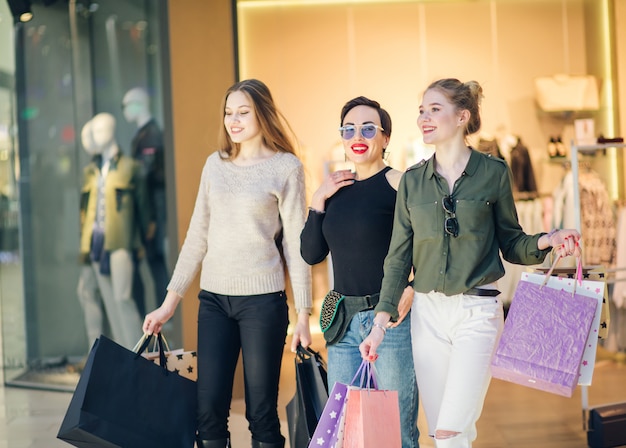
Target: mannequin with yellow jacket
<point>114,209</point>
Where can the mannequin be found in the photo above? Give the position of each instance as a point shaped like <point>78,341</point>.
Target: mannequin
<point>114,210</point>
<point>87,290</point>
<point>147,149</point>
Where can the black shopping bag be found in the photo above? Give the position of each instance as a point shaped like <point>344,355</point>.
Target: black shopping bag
<point>305,408</point>
<point>123,400</point>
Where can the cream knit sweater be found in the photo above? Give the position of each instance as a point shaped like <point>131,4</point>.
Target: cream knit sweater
<point>238,215</point>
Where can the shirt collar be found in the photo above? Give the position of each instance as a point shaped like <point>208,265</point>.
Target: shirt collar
<point>472,163</point>
<point>470,169</point>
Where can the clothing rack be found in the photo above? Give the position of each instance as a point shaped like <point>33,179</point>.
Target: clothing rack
<point>610,273</point>
<point>574,150</point>
<point>586,149</point>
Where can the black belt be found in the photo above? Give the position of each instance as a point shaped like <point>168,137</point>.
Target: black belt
<point>361,303</point>
<point>482,292</point>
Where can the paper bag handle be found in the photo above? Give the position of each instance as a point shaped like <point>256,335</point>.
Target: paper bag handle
<point>304,353</point>
<point>579,271</point>
<point>155,346</point>
<point>143,343</point>
<point>368,375</point>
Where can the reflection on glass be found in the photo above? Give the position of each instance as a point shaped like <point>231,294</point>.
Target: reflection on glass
<point>76,64</point>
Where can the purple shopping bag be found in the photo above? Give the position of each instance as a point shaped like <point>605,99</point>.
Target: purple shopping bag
<point>329,430</point>
<point>544,338</point>
<point>590,288</point>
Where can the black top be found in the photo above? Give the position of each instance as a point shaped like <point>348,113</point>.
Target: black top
<point>356,228</point>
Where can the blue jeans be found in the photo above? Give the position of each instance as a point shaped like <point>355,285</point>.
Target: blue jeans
<point>394,366</point>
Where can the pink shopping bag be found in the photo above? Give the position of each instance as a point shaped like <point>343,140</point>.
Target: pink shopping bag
<point>372,415</point>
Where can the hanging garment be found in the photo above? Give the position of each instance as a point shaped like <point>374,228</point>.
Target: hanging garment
<point>524,183</point>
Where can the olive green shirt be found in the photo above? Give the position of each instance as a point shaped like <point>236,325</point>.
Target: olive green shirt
<point>488,225</point>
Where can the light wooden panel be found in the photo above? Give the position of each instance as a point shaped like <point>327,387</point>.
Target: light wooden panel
<point>202,68</point>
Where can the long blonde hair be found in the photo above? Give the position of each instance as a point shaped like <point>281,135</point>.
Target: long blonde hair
<point>275,130</point>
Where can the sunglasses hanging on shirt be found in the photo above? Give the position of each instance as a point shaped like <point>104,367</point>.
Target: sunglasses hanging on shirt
<point>451,224</point>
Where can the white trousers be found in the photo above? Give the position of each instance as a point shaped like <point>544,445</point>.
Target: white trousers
<point>116,293</point>
<point>454,338</point>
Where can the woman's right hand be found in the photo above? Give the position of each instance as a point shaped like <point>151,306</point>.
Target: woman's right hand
<point>154,321</point>
<point>375,338</point>
<point>330,186</point>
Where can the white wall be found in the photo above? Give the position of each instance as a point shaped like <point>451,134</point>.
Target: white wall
<point>314,58</point>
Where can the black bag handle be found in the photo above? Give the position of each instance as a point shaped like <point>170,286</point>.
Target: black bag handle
<point>145,341</point>
<point>303,353</point>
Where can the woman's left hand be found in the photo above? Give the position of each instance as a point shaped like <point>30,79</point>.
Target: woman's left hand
<point>302,332</point>
<point>404,306</point>
<point>566,242</point>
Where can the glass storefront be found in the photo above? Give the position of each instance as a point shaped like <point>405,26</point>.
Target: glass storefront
<point>73,60</point>
<point>11,292</point>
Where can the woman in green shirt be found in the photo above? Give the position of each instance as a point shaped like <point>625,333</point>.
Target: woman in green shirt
<point>454,215</point>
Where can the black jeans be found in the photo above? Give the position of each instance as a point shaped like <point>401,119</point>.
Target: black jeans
<point>256,325</point>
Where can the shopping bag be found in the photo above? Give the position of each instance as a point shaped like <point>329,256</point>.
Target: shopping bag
<point>124,400</point>
<point>372,415</point>
<point>596,273</point>
<point>184,363</point>
<point>544,336</point>
<point>329,430</point>
<point>307,404</point>
<point>590,288</point>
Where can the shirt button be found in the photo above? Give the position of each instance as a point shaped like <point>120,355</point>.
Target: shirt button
<point>444,253</point>
<point>441,272</point>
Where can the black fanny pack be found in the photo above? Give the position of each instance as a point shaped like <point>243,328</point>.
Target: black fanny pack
<point>338,310</point>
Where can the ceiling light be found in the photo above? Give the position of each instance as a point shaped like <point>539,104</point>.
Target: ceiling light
<point>20,9</point>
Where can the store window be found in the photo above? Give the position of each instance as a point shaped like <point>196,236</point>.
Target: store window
<point>11,311</point>
<point>74,61</point>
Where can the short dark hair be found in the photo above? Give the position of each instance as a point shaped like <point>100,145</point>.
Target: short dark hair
<point>385,119</point>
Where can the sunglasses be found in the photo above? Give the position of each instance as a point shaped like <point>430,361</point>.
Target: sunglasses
<point>368,131</point>
<point>451,224</point>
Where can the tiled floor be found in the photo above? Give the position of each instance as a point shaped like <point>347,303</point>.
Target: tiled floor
<point>514,416</point>
<point>31,419</point>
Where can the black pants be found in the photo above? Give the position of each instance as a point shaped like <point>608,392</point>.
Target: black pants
<point>256,325</point>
